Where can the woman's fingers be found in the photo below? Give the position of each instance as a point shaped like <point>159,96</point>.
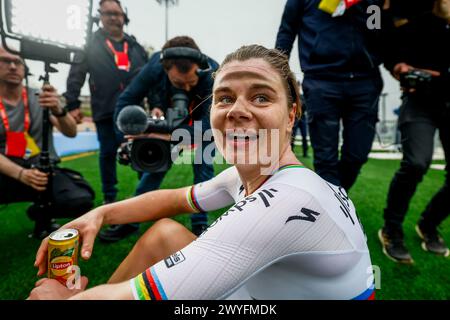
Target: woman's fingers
<point>40,281</point>
<point>84,282</point>
<point>88,244</point>
<point>41,257</point>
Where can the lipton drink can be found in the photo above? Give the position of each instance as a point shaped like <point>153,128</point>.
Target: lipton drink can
<point>62,254</point>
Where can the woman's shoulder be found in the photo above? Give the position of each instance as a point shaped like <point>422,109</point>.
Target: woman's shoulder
<point>296,175</point>
<point>303,179</point>
<point>228,175</point>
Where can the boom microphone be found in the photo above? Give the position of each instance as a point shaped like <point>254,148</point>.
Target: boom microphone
<point>132,120</point>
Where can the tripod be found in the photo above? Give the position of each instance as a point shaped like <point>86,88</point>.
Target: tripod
<point>41,210</point>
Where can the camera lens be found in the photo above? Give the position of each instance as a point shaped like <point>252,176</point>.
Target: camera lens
<point>150,155</point>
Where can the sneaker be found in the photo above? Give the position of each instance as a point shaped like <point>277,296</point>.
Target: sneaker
<point>43,229</point>
<point>394,247</point>
<point>198,229</point>
<point>432,241</point>
<point>117,232</point>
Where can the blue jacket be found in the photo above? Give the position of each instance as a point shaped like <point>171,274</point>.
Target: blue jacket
<point>153,82</point>
<point>339,47</point>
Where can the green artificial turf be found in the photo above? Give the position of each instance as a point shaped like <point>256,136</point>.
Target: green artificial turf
<point>428,278</point>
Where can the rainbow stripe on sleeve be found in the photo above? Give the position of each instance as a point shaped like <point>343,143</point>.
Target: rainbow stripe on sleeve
<point>193,203</point>
<point>147,286</point>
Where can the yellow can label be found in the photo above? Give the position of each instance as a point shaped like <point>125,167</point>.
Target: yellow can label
<point>62,254</point>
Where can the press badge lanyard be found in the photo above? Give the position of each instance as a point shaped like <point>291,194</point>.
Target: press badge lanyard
<point>19,143</point>
<point>27,112</point>
<point>120,57</point>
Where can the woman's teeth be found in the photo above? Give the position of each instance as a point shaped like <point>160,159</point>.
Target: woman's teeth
<point>242,137</point>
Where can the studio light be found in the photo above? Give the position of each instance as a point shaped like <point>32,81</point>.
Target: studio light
<point>50,23</point>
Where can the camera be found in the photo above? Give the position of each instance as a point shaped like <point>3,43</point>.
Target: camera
<point>416,79</point>
<point>151,154</point>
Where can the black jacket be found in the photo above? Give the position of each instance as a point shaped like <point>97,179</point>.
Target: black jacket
<point>333,47</point>
<point>423,42</point>
<point>106,82</point>
<point>153,81</point>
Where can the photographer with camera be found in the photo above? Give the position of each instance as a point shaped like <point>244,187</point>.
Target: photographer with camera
<point>420,60</point>
<point>179,82</point>
<point>21,136</point>
<point>112,59</point>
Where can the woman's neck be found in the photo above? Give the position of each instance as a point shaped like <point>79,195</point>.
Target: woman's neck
<point>10,93</point>
<point>253,176</point>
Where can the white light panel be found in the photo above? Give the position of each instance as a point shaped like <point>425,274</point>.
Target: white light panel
<point>63,22</point>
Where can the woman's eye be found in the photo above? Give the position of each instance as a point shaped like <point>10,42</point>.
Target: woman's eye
<point>261,99</point>
<point>225,100</point>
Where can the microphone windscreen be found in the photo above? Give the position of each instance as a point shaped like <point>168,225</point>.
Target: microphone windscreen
<point>132,120</point>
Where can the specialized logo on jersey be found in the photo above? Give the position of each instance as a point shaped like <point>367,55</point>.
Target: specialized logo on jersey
<point>264,195</point>
<point>308,215</point>
<point>174,259</point>
<point>343,198</point>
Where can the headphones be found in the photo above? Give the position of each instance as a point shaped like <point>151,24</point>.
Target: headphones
<point>126,19</point>
<point>187,53</point>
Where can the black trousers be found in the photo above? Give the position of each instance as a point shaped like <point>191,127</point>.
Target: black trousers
<point>420,117</point>
<point>12,191</point>
<point>355,103</point>
<point>109,140</point>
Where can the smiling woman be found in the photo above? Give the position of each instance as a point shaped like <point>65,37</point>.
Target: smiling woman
<point>254,94</point>
<point>288,234</point>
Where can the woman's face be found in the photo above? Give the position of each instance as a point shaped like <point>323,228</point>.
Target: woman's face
<point>249,114</point>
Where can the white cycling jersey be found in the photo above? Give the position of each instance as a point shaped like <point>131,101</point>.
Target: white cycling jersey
<point>295,237</point>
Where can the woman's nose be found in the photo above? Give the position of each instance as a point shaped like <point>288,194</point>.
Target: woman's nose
<point>239,110</point>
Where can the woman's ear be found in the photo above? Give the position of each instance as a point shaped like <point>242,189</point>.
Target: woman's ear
<point>292,114</point>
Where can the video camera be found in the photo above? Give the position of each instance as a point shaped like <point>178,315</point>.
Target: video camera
<point>423,82</point>
<point>416,79</point>
<point>151,154</point>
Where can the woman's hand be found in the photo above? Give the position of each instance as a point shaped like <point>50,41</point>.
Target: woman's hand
<point>50,289</point>
<point>88,227</point>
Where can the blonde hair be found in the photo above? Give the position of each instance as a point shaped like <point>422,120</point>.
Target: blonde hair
<point>278,60</point>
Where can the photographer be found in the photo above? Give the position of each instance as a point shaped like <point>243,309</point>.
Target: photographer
<point>21,129</point>
<point>113,58</point>
<point>339,56</point>
<point>420,59</point>
<point>163,78</point>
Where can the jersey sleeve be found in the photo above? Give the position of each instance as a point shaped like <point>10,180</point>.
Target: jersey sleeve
<point>274,222</point>
<point>215,193</point>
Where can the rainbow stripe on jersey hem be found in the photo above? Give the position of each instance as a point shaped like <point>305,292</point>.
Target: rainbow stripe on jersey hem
<point>368,294</point>
<point>193,203</point>
<point>147,286</point>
